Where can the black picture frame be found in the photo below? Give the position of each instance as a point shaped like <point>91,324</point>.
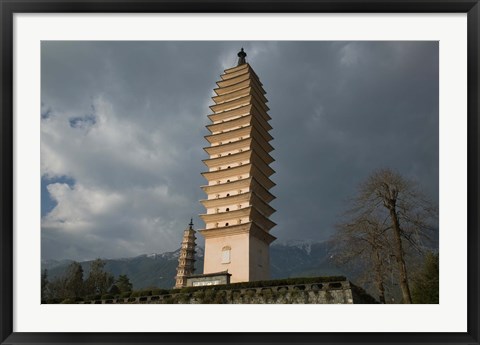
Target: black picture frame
<point>8,8</point>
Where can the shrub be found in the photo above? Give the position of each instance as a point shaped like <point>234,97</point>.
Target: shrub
<point>136,294</point>
<point>189,289</point>
<point>68,301</point>
<point>141,293</point>
<point>157,292</point>
<point>114,290</point>
<point>92,297</point>
<point>125,294</point>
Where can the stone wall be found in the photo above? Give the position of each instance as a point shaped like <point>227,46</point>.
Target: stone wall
<point>341,292</point>
<point>221,278</point>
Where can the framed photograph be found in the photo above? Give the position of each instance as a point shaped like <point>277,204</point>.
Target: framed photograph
<point>239,172</point>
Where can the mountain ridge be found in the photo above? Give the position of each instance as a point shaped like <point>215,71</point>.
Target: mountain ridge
<point>294,258</point>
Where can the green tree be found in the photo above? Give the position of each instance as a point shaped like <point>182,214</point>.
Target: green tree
<point>425,287</point>
<point>44,285</point>
<point>114,290</point>
<point>74,280</point>
<point>98,281</point>
<point>58,289</point>
<point>67,287</point>
<point>123,283</point>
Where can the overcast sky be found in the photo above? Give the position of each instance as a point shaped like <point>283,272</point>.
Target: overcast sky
<point>123,124</point>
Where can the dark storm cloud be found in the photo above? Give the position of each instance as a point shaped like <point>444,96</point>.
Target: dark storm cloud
<point>342,110</point>
<point>339,110</point>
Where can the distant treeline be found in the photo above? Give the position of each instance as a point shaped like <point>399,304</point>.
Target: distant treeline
<point>71,287</point>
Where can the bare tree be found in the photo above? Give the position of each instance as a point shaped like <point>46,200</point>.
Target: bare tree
<point>361,243</point>
<point>407,217</point>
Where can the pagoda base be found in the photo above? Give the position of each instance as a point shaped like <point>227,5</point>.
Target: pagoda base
<point>244,252</point>
<point>219,278</point>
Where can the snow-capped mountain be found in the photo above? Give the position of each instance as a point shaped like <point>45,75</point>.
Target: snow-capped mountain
<point>287,259</point>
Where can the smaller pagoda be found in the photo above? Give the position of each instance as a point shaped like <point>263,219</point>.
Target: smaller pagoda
<point>186,259</point>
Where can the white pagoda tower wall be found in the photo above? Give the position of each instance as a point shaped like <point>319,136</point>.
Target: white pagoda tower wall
<point>236,220</point>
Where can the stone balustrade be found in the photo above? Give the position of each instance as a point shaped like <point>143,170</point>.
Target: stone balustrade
<point>340,292</point>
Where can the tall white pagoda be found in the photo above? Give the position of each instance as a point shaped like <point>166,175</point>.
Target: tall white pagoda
<point>237,225</point>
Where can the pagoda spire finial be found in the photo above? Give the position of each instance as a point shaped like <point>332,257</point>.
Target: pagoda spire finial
<point>191,223</point>
<point>241,57</point>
